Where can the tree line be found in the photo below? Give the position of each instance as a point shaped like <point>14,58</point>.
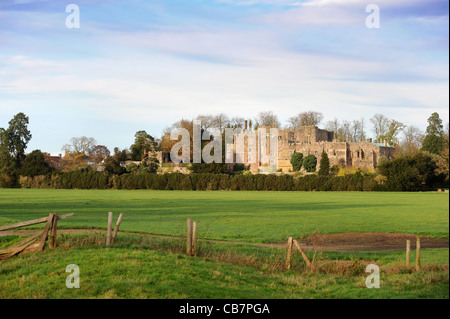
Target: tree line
<point>81,154</point>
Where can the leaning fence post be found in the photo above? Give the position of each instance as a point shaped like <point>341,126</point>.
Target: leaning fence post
<point>109,229</point>
<point>45,233</point>
<point>189,237</point>
<point>289,253</point>
<point>418,253</point>
<point>305,258</point>
<point>116,229</point>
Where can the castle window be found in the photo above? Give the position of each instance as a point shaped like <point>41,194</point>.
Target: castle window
<point>291,136</point>
<point>362,154</point>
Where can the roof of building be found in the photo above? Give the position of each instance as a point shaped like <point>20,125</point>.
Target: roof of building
<point>382,144</point>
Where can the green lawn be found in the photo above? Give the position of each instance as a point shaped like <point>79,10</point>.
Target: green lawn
<point>146,267</point>
<point>238,216</point>
<point>142,268</point>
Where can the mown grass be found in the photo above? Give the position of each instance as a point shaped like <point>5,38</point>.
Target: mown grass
<point>236,216</point>
<point>146,267</point>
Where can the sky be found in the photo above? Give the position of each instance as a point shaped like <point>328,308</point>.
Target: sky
<point>143,65</point>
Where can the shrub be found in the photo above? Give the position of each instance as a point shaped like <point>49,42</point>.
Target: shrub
<point>310,163</point>
<point>324,169</point>
<point>297,161</point>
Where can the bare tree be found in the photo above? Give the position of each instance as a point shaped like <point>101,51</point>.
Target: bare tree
<point>413,136</point>
<point>333,125</point>
<point>267,119</point>
<point>206,121</point>
<point>346,132</point>
<point>309,118</point>
<point>220,121</point>
<point>80,146</point>
<point>380,124</point>
<point>357,130</point>
<point>236,122</point>
<point>354,131</point>
<point>338,129</point>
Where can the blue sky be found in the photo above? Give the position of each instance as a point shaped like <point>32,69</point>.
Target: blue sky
<point>142,65</point>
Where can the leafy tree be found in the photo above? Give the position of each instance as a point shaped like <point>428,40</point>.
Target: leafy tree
<point>310,163</point>
<point>297,161</point>
<point>148,166</point>
<point>7,162</point>
<point>434,139</point>
<point>113,165</point>
<point>34,164</point>
<point>132,168</point>
<point>143,143</point>
<point>17,136</point>
<point>99,153</point>
<point>324,165</point>
<point>393,130</point>
<point>411,173</point>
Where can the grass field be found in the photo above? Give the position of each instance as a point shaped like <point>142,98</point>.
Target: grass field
<point>145,267</point>
<point>238,216</point>
<point>157,268</point>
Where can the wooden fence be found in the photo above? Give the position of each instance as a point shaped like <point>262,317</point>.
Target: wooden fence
<point>36,241</point>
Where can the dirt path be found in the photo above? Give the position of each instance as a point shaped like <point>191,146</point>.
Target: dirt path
<point>332,242</point>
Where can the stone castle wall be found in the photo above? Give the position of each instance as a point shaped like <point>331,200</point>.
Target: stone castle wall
<point>307,140</point>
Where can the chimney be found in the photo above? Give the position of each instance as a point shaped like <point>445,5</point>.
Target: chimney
<point>250,124</point>
<point>385,143</point>
<point>60,155</point>
<point>245,124</point>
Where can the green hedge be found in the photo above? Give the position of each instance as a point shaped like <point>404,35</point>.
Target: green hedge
<point>203,182</point>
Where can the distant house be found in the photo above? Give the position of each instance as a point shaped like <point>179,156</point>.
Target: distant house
<point>53,161</point>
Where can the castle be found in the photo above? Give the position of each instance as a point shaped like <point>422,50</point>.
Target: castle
<point>306,140</point>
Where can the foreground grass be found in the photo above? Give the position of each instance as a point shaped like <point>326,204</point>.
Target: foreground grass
<point>238,216</point>
<point>144,267</point>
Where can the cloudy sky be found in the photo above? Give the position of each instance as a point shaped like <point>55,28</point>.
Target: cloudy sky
<point>142,65</point>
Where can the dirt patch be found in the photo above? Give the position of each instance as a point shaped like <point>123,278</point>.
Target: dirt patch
<point>332,242</point>
<point>370,242</point>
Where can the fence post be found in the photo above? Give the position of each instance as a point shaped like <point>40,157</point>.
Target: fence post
<point>305,258</point>
<point>45,233</point>
<point>116,229</point>
<point>194,239</point>
<point>408,252</point>
<point>418,253</point>
<point>109,229</point>
<point>52,242</point>
<point>289,253</point>
<point>189,237</point>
